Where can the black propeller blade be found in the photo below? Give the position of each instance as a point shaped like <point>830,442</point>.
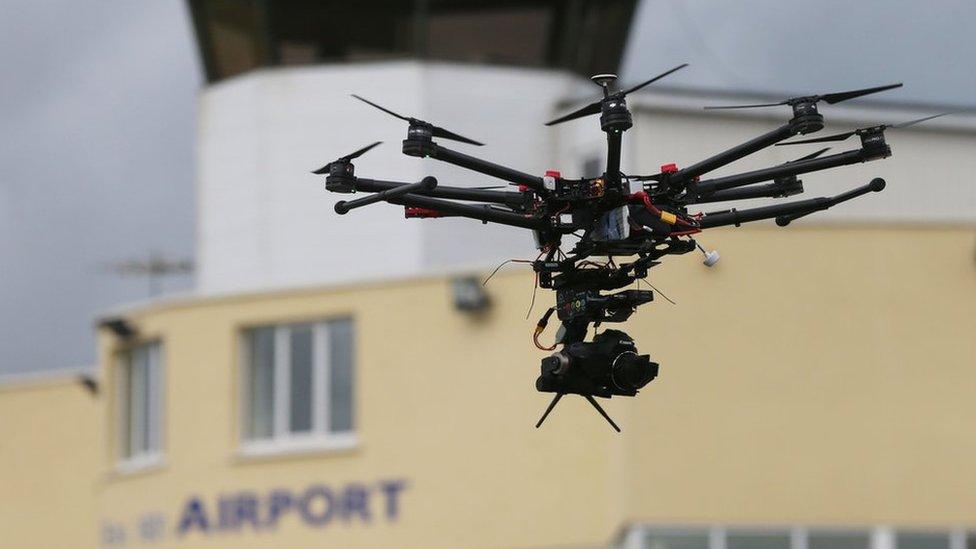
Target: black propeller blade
<point>594,107</point>
<point>828,97</point>
<point>347,158</point>
<point>859,131</point>
<point>436,131</point>
<point>811,156</point>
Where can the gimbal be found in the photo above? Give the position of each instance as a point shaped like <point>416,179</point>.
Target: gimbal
<point>613,215</point>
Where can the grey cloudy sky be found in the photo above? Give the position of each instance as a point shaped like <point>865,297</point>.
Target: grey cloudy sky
<point>96,145</point>
<point>98,106</point>
<point>807,47</point>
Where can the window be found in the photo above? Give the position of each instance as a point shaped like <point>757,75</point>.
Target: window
<point>676,539</point>
<point>663,536</point>
<point>140,404</point>
<point>298,384</point>
<point>757,539</point>
<point>921,540</point>
<point>839,540</point>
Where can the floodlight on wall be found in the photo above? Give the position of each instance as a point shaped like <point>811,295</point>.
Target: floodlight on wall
<point>89,383</point>
<point>119,326</point>
<point>469,294</point>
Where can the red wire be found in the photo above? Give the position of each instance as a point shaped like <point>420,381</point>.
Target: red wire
<point>535,339</point>
<point>643,197</point>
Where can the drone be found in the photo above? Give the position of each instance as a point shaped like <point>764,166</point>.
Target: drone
<point>623,224</point>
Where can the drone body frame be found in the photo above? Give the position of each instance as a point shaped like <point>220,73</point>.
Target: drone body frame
<point>613,215</point>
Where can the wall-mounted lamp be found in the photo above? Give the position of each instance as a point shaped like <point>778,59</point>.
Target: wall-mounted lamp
<point>89,383</point>
<point>119,326</point>
<point>469,294</point>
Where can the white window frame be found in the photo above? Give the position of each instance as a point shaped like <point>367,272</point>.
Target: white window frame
<point>879,537</point>
<point>126,428</point>
<point>282,439</point>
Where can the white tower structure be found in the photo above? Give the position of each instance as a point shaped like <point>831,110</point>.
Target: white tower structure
<point>279,106</point>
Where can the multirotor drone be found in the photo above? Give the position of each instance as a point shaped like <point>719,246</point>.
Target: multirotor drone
<point>641,218</point>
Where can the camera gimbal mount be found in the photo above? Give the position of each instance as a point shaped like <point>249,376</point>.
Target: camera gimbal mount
<point>612,216</point>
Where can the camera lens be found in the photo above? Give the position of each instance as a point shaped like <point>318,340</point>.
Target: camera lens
<point>630,371</point>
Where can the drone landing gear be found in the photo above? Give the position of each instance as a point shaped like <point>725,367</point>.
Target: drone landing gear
<point>588,398</point>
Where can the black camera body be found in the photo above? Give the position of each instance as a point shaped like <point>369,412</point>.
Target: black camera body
<point>607,366</point>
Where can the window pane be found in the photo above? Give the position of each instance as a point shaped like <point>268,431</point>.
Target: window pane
<point>676,540</point>
<point>758,540</point>
<point>153,390</point>
<point>260,383</point>
<point>301,379</point>
<point>139,401</point>
<point>125,406</point>
<point>340,376</point>
<point>839,540</point>
<point>922,541</point>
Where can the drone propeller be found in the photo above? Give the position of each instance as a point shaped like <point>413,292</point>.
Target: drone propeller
<point>830,98</point>
<point>859,131</point>
<point>811,156</point>
<point>604,80</point>
<point>436,131</point>
<point>346,159</point>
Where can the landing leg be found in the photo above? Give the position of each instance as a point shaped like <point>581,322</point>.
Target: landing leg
<point>552,405</point>
<point>598,409</point>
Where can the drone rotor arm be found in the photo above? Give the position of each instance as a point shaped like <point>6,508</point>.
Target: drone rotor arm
<point>783,170</point>
<point>788,211</point>
<point>735,153</point>
<point>472,163</point>
<point>482,212</point>
<point>765,190</point>
<point>509,198</point>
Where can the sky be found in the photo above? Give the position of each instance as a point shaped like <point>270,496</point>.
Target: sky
<point>98,102</point>
<point>96,148</point>
<point>800,47</point>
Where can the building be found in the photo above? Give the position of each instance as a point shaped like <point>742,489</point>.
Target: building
<point>815,388</point>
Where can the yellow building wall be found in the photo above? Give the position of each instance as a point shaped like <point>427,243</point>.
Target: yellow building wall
<point>815,376</point>
<point>49,440</point>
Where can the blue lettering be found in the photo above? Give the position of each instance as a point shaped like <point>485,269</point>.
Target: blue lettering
<point>305,505</point>
<point>279,501</point>
<point>355,500</point>
<point>194,516</point>
<point>227,513</point>
<point>247,509</point>
<point>392,489</point>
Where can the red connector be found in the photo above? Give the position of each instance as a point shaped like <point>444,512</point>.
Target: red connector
<point>410,212</point>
